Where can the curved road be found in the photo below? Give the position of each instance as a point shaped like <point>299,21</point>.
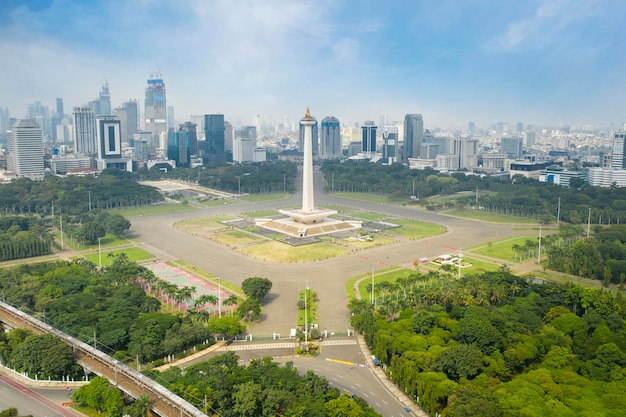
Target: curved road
<point>159,237</point>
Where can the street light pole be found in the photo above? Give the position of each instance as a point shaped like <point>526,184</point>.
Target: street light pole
<point>239,188</point>
<point>306,317</point>
<point>539,249</point>
<point>372,286</point>
<point>219,297</point>
<point>99,253</point>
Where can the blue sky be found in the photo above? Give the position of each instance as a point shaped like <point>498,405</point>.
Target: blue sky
<point>543,62</point>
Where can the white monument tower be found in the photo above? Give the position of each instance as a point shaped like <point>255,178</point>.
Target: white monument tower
<point>308,220</point>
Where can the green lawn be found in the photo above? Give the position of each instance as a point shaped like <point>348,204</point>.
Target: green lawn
<point>154,209</point>
<point>281,252</point>
<point>502,249</point>
<point>108,241</point>
<point>261,198</point>
<point>261,213</point>
<point>387,274</point>
<point>218,202</point>
<point>203,225</point>
<point>477,266</point>
<point>372,198</point>
<point>134,255</point>
<point>487,216</point>
<point>311,308</point>
<point>366,215</point>
<point>416,230</point>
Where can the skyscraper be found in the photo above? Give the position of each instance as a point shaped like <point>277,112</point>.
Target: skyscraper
<point>314,137</point>
<point>228,137</point>
<point>4,124</point>
<point>109,144</point>
<point>155,107</point>
<point>619,149</point>
<point>413,135</point>
<point>178,148</point>
<point>330,140</point>
<point>390,144</point>
<point>214,137</point>
<point>171,123</point>
<point>41,115</point>
<point>368,137</point>
<point>512,146</point>
<point>84,130</point>
<point>128,113</point>
<point>190,128</point>
<point>109,137</point>
<point>25,148</point>
<point>105,100</point>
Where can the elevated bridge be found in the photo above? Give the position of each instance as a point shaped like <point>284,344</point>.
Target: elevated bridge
<point>162,401</point>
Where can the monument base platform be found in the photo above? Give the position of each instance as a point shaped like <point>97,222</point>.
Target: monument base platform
<point>293,228</point>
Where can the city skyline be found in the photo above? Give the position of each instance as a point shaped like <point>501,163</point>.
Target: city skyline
<point>540,62</point>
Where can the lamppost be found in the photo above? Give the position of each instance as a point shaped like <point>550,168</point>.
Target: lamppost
<point>100,253</point>
<point>219,297</point>
<point>306,317</point>
<point>239,181</point>
<point>372,286</point>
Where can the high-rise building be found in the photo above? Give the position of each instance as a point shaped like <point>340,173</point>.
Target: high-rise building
<point>155,107</point>
<point>314,137</point>
<point>256,122</point>
<point>190,128</point>
<point>178,148</point>
<point>84,130</point>
<point>368,137</point>
<point>529,138</point>
<point>41,115</point>
<point>25,149</point>
<point>619,150</point>
<point>390,144</point>
<point>129,118</point>
<point>512,146</point>
<point>214,137</point>
<point>471,127</point>
<point>105,100</point>
<point>467,149</point>
<point>519,128</point>
<point>413,135</point>
<point>109,137</point>
<point>228,137</point>
<point>5,125</point>
<point>330,140</point>
<point>60,112</point>
<point>109,143</point>
<point>171,123</point>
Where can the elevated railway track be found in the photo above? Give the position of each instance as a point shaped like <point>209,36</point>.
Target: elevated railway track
<point>162,401</point>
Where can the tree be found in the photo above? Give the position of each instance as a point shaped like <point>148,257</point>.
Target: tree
<point>256,287</point>
<point>461,361</point>
<point>344,406</point>
<point>226,326</point>
<point>91,231</point>
<point>117,224</point>
<point>249,310</point>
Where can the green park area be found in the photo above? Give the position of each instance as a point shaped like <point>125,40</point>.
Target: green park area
<point>133,254</point>
<point>307,307</point>
<point>412,229</point>
<point>371,198</point>
<point>154,209</point>
<point>488,216</point>
<point>235,238</point>
<point>203,225</point>
<point>282,252</point>
<point>262,198</point>
<point>516,249</point>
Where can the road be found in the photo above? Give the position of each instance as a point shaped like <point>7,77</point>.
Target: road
<point>38,402</point>
<point>327,277</point>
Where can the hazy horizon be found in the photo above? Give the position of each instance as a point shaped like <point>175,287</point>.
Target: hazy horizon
<point>538,62</point>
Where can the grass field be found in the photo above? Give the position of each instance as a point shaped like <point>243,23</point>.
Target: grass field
<point>377,240</point>
<point>311,309</point>
<point>261,198</point>
<point>155,209</point>
<point>487,216</point>
<point>134,255</point>
<point>109,240</point>
<point>203,225</point>
<point>281,252</point>
<point>477,266</point>
<point>219,202</point>
<point>261,213</point>
<point>502,249</point>
<point>366,215</point>
<point>372,198</point>
<point>234,238</point>
<point>381,276</point>
<point>416,230</point>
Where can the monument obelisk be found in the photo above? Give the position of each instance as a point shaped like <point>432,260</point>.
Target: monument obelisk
<point>308,203</point>
<point>308,220</point>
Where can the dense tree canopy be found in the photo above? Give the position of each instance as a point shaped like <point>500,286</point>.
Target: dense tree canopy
<point>498,345</point>
<point>220,386</point>
<point>256,287</point>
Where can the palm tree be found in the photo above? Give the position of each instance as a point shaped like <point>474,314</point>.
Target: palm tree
<point>230,301</point>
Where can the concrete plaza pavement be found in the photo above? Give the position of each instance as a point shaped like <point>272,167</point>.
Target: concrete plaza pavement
<point>327,277</point>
